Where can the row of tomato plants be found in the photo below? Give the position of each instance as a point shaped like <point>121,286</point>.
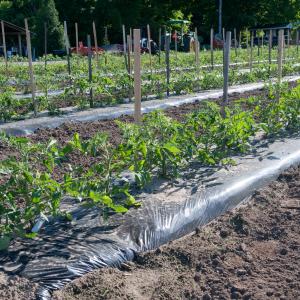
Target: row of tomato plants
<point>113,63</point>
<point>160,145</point>
<point>112,90</point>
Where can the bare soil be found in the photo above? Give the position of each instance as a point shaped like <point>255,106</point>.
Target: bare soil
<point>250,253</point>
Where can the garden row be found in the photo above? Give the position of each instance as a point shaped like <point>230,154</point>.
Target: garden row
<point>35,176</point>
<point>79,91</point>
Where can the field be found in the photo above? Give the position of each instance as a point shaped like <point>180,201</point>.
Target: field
<point>53,179</point>
<point>112,84</point>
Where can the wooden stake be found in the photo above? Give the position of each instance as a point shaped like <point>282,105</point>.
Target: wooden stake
<point>32,82</point>
<point>197,59</point>
<point>226,72</point>
<point>270,47</point>
<point>20,44</point>
<point>280,52</point>
<point>167,50</point>
<point>129,42</point>
<point>251,51</point>
<point>125,47</point>
<point>149,47</point>
<point>235,41</point>
<point>46,44</point>
<point>76,36</point>
<point>96,43</point>
<point>297,40</point>
<point>224,40</point>
<point>212,48</point>
<point>176,47</point>
<point>288,43</point>
<point>159,44</point>
<point>90,69</point>
<point>4,44</point>
<point>137,77</point>
<point>131,39</point>
<point>67,44</point>
<point>247,40</point>
<point>197,49</point>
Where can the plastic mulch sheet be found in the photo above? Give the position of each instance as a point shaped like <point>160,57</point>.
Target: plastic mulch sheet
<point>64,251</point>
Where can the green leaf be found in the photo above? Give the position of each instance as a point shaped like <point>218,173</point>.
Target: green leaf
<point>31,235</point>
<point>4,242</point>
<point>172,148</point>
<point>119,208</point>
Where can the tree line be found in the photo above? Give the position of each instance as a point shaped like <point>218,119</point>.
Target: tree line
<point>203,14</point>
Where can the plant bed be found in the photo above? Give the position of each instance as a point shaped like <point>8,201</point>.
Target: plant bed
<point>161,147</point>
<point>249,253</point>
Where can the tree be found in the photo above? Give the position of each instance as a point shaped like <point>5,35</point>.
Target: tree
<point>37,12</point>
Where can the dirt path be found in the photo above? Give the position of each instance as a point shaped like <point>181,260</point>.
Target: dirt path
<point>251,253</point>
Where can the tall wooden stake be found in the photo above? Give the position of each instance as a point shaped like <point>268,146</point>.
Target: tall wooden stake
<point>46,44</point>
<point>251,51</point>
<point>4,44</point>
<point>167,51</point>
<point>280,52</point>
<point>159,44</point>
<point>20,44</point>
<point>90,69</point>
<point>197,49</point>
<point>212,48</point>
<point>96,43</point>
<point>32,82</point>
<point>76,37</point>
<point>226,71</point>
<point>176,46</point>
<point>149,47</point>
<point>297,40</point>
<point>137,77</point>
<point>235,41</point>
<point>270,47</point>
<point>129,43</point>
<point>67,46</point>
<point>125,47</point>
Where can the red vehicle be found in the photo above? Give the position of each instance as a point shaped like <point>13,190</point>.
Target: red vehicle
<point>218,42</point>
<point>83,50</point>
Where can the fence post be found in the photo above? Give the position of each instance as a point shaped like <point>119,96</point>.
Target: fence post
<point>226,72</point>
<point>167,50</point>
<point>96,43</point>
<point>211,48</point>
<point>28,42</point>
<point>90,69</point>
<point>4,44</point>
<point>67,46</point>
<point>76,36</point>
<point>137,76</point>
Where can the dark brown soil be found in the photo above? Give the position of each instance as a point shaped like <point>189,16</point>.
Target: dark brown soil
<point>88,129</point>
<point>251,253</point>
